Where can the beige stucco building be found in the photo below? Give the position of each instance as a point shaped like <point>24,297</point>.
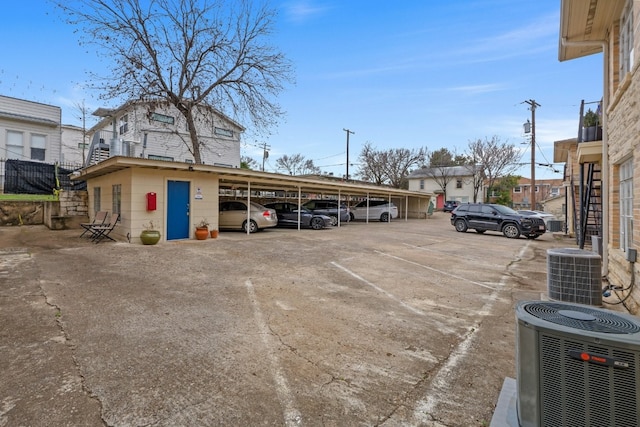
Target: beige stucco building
<point>185,193</point>
<point>608,166</point>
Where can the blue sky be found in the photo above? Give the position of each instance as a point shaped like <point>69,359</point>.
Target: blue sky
<point>410,74</point>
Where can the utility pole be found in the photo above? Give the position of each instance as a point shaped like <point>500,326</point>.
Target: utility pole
<point>348,132</point>
<point>532,106</point>
<point>265,153</point>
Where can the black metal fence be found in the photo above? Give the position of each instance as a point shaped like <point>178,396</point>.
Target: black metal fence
<point>24,177</point>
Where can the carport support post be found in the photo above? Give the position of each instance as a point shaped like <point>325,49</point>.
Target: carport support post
<point>406,207</point>
<point>299,205</point>
<point>339,201</point>
<point>368,196</point>
<point>389,208</point>
<point>248,208</point>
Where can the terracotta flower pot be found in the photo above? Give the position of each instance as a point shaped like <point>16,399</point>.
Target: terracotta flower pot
<point>214,234</point>
<point>202,233</point>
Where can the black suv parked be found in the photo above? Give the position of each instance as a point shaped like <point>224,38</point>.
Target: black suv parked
<point>449,206</point>
<point>483,217</point>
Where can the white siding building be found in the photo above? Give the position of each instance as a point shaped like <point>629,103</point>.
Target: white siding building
<point>459,183</point>
<point>156,130</point>
<point>29,130</point>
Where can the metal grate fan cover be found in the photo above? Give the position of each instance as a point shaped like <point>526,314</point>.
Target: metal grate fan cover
<point>577,366</point>
<point>582,317</point>
<point>574,275</point>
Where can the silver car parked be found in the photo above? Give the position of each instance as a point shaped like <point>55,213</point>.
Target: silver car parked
<point>233,215</point>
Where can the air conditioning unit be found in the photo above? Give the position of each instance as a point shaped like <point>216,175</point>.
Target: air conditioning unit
<point>576,365</point>
<point>574,275</point>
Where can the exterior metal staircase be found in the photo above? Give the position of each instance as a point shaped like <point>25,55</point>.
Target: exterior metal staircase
<point>590,214</point>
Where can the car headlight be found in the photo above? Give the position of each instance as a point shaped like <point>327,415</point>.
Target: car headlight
<point>526,221</point>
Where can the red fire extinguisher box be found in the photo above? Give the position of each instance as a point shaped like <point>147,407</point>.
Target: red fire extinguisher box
<point>151,201</point>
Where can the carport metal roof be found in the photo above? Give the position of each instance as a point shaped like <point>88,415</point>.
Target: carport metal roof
<point>242,179</point>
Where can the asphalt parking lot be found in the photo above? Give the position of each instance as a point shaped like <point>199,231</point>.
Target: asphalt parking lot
<point>380,324</point>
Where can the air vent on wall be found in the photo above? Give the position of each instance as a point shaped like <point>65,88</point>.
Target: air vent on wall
<point>574,275</point>
<point>576,366</point>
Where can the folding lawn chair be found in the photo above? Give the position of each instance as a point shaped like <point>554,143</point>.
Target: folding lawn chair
<point>99,219</point>
<point>101,232</point>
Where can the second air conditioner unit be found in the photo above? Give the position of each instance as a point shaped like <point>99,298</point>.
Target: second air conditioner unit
<point>574,275</point>
<point>576,366</point>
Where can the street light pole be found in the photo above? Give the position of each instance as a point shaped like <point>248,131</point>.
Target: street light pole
<point>348,132</point>
<point>532,106</point>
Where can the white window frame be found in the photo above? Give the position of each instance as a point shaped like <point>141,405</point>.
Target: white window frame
<point>626,204</point>
<point>517,189</point>
<point>38,146</point>
<point>626,39</point>
<point>422,184</point>
<point>14,150</point>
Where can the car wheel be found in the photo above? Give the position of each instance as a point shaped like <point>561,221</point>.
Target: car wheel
<point>317,223</point>
<point>384,217</point>
<point>461,225</point>
<point>480,231</point>
<point>253,227</point>
<point>511,231</point>
<point>334,220</point>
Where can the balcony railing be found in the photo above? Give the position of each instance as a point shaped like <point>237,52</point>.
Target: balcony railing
<point>590,128</point>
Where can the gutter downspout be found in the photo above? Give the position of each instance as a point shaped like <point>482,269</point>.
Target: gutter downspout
<point>605,144</point>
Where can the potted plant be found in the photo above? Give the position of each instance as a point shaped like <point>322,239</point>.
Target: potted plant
<point>149,236</point>
<point>202,229</point>
<point>591,126</point>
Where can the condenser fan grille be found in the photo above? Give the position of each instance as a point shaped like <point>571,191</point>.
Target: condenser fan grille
<point>582,317</point>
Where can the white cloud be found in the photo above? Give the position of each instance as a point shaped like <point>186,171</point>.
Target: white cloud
<point>303,10</point>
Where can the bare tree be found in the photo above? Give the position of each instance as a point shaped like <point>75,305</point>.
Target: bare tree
<point>81,111</point>
<point>372,165</point>
<point>188,53</point>
<point>495,158</point>
<point>391,166</point>
<point>442,169</point>
<point>297,165</point>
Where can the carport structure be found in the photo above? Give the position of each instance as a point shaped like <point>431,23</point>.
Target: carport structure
<point>175,195</point>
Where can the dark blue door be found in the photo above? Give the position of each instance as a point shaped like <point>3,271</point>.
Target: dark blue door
<point>177,210</point>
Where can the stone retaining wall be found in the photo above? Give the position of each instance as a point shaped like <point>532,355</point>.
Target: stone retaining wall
<point>68,212</point>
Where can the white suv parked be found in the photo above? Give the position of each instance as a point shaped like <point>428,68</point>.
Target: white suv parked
<point>378,210</point>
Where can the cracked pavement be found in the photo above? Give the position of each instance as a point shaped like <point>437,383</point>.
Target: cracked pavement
<point>379,324</point>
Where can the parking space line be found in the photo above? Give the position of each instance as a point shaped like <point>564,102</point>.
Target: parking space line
<point>440,383</point>
<point>292,416</point>
<point>437,271</point>
<point>449,254</point>
<point>379,289</point>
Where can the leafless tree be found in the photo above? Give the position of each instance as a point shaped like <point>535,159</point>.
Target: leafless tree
<point>297,165</point>
<point>441,167</point>
<point>391,166</point>
<point>372,165</point>
<point>188,53</point>
<point>495,159</point>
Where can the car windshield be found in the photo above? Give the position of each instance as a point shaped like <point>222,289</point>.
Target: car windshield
<point>505,210</point>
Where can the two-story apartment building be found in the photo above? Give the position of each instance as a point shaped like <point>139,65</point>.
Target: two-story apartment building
<point>608,167</point>
<point>29,130</point>
<point>456,181</point>
<point>156,130</point>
